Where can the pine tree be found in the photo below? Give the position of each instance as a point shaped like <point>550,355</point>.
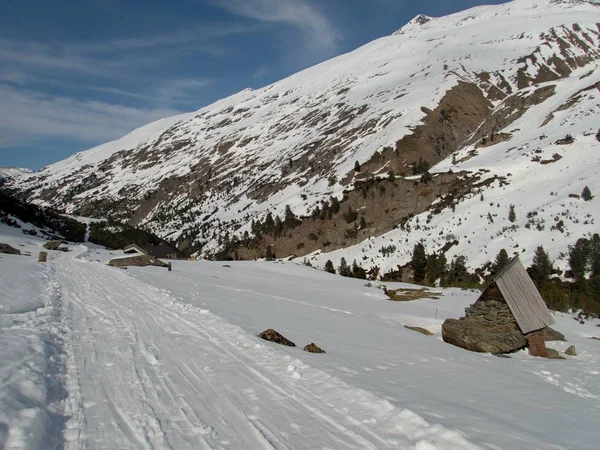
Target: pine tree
<point>269,225</point>
<point>460,267</point>
<point>356,167</point>
<point>541,269</point>
<point>269,253</point>
<point>289,218</point>
<point>358,271</point>
<point>278,226</point>
<point>343,269</point>
<point>437,265</point>
<point>329,267</point>
<point>578,257</point>
<point>457,271</point>
<point>586,194</point>
<point>426,177</point>
<point>512,216</point>
<point>501,260</point>
<point>419,262</point>
<point>594,256</point>
<point>335,205</point>
<point>363,223</point>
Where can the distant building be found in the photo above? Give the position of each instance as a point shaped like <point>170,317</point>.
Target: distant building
<point>133,249</point>
<point>162,251</point>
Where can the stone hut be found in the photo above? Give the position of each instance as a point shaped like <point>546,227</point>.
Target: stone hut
<point>505,317</point>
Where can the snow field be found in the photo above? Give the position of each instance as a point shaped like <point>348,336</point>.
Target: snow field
<point>496,403</point>
<point>145,358</point>
<point>155,373</point>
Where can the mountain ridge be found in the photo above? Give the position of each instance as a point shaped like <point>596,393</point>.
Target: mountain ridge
<point>296,142</point>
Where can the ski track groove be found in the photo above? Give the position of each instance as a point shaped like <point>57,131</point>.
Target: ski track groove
<point>148,372</point>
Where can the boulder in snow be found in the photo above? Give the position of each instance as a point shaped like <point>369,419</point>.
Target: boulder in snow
<point>419,330</point>
<point>5,248</point>
<point>137,261</point>
<point>552,335</point>
<point>313,348</point>
<point>274,336</point>
<point>481,336</point>
<point>571,351</point>
<point>554,354</point>
<point>52,245</point>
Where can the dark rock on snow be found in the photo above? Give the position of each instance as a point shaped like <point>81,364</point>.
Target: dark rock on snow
<point>52,245</point>
<point>313,348</point>
<point>554,354</point>
<point>5,248</point>
<point>571,351</point>
<point>274,336</point>
<point>419,330</point>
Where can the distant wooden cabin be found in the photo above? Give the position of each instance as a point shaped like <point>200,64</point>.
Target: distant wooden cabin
<point>162,251</point>
<point>134,249</point>
<point>513,286</point>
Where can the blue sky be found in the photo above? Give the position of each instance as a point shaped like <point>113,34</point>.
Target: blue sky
<point>77,73</point>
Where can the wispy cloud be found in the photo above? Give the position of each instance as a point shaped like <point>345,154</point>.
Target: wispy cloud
<point>113,58</point>
<point>318,31</point>
<point>43,94</point>
<point>175,91</point>
<point>181,90</point>
<point>27,115</point>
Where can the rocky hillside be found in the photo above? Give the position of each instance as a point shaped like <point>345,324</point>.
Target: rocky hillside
<point>13,172</point>
<point>500,103</point>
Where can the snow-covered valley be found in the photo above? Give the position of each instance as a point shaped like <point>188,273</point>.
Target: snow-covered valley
<point>101,358</point>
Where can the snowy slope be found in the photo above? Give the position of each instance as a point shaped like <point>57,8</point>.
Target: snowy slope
<point>13,172</point>
<point>150,359</point>
<point>295,142</point>
<point>540,189</point>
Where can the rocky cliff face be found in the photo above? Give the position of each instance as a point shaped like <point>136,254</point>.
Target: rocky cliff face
<point>470,92</point>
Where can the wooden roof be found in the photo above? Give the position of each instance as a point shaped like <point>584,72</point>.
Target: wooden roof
<point>134,248</point>
<point>522,297</point>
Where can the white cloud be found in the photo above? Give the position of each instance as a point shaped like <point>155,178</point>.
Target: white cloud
<point>318,31</point>
<point>27,115</point>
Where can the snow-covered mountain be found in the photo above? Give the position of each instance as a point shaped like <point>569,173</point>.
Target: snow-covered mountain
<point>13,172</point>
<point>505,97</point>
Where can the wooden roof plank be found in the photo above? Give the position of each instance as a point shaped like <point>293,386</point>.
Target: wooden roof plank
<point>522,297</point>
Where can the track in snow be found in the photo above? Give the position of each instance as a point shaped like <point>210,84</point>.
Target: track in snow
<point>147,372</point>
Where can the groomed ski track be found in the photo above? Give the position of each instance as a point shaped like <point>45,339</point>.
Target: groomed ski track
<point>146,371</point>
